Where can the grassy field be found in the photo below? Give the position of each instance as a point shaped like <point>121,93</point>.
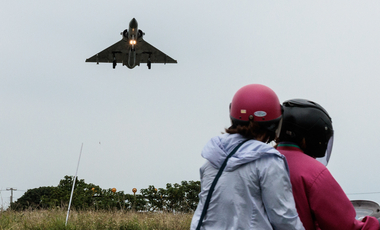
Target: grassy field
<point>55,219</point>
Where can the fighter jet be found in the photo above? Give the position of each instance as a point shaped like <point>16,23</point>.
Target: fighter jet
<point>131,50</point>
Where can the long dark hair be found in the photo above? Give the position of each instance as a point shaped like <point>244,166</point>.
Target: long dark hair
<point>251,131</point>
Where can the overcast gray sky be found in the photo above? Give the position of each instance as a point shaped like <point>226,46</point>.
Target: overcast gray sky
<point>143,127</point>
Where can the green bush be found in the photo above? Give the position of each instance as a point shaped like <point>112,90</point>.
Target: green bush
<point>174,198</point>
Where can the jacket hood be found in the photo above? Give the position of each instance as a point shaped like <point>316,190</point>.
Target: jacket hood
<point>218,148</point>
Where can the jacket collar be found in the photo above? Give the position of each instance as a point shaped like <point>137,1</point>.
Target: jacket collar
<point>288,146</point>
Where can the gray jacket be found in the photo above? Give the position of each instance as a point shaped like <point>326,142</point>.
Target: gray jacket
<point>254,191</point>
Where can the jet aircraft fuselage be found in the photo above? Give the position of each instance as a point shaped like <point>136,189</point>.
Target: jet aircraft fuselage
<point>130,36</point>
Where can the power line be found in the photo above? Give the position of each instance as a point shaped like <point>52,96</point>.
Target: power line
<point>363,193</point>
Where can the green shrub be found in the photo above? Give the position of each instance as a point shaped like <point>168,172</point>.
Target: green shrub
<point>174,198</point>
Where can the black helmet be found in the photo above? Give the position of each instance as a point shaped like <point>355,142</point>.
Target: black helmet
<point>304,119</point>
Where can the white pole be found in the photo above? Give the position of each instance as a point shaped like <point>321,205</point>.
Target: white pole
<point>72,190</point>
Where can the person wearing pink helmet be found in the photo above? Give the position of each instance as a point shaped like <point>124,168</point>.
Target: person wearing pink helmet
<point>307,135</point>
<point>245,182</point>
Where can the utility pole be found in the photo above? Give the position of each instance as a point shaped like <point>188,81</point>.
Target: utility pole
<point>11,189</point>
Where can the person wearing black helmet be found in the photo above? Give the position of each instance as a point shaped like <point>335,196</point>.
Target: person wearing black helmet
<point>307,135</point>
<point>245,182</point>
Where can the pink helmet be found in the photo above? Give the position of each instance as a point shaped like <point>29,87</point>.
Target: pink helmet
<point>257,103</point>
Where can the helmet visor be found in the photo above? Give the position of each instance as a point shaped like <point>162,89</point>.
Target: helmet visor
<point>325,160</point>
<point>278,130</point>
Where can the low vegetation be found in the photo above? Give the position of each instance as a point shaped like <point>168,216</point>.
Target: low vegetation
<point>96,208</point>
<point>91,219</point>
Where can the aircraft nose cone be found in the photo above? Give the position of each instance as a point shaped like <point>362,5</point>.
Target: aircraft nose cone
<point>133,23</point>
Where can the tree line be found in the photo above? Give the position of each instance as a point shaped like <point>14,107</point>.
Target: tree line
<point>174,198</point>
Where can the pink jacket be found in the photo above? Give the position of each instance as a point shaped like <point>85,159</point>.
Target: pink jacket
<point>321,203</point>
